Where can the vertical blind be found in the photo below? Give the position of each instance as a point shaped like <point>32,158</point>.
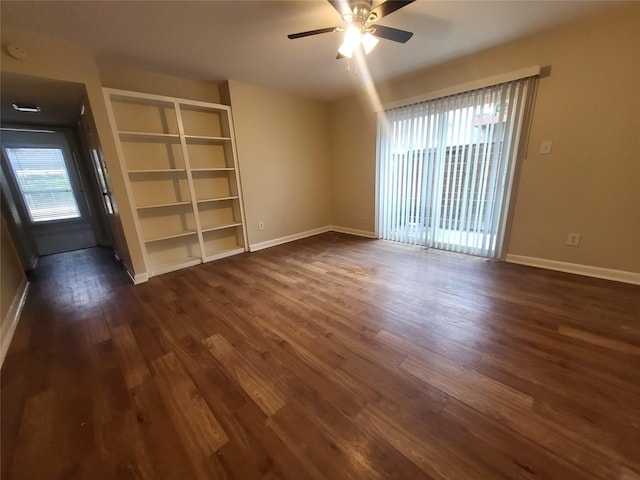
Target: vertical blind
<point>446,167</point>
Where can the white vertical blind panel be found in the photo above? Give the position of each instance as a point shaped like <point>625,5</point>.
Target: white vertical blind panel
<point>446,168</point>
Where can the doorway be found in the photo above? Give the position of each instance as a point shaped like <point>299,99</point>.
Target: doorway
<point>52,198</point>
<point>42,173</point>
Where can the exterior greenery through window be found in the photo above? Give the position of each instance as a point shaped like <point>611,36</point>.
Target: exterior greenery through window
<point>42,177</point>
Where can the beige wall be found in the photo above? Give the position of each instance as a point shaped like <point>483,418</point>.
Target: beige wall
<point>589,107</point>
<point>353,155</point>
<point>49,58</point>
<point>12,283</point>
<point>306,164</point>
<point>283,152</point>
<point>113,75</point>
<point>11,272</point>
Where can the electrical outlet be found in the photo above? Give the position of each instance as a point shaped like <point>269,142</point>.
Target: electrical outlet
<point>573,239</point>
<point>545,147</point>
<point>260,225</point>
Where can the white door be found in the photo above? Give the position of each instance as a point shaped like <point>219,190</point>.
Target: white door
<point>47,189</point>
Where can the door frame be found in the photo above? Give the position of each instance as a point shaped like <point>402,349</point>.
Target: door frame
<point>80,229</point>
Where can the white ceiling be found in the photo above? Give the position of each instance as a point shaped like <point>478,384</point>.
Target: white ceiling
<point>247,40</point>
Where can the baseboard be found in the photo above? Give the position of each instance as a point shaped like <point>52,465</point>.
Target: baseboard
<point>32,263</point>
<point>586,270</point>
<point>12,318</point>
<point>353,231</point>
<point>310,233</point>
<point>137,278</point>
<point>289,238</point>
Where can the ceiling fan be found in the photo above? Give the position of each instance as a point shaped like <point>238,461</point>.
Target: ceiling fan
<point>360,25</point>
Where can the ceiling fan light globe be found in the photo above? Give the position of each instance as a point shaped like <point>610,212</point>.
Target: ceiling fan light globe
<point>352,36</point>
<point>351,41</point>
<point>346,50</point>
<point>369,42</point>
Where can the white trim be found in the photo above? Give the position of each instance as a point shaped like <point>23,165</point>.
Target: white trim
<point>310,233</point>
<point>289,238</point>
<point>163,98</point>
<point>225,254</point>
<point>466,87</point>
<point>12,318</point>
<point>353,231</point>
<point>137,278</point>
<point>586,270</point>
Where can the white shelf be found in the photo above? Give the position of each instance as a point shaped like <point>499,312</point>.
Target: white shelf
<point>221,227</point>
<point>166,267</point>
<point>220,199</point>
<point>215,169</point>
<point>172,149</point>
<point>204,139</point>
<point>224,254</point>
<point>162,205</point>
<point>171,235</point>
<point>159,170</point>
<point>148,136</point>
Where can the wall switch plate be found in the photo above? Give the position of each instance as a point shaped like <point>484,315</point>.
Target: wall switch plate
<point>260,225</point>
<point>545,147</point>
<point>573,239</point>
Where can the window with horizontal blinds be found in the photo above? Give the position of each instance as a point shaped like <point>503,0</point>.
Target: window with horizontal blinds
<point>446,167</point>
<point>43,180</point>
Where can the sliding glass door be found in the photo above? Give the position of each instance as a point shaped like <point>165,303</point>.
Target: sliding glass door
<point>446,166</point>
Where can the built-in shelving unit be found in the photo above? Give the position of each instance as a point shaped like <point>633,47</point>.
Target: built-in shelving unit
<point>179,162</point>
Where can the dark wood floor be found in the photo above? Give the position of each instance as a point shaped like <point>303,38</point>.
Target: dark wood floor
<point>333,357</point>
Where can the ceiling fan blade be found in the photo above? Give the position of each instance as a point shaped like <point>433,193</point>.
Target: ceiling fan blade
<point>393,34</point>
<point>388,7</point>
<point>313,32</point>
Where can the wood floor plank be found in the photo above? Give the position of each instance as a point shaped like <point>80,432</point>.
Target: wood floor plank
<point>599,340</point>
<point>170,459</point>
<point>320,453</point>
<point>511,453</point>
<point>134,367</point>
<point>36,435</point>
<point>332,357</point>
<point>259,388</point>
<point>296,372</point>
<point>431,456</point>
<point>122,453</point>
<point>381,461</point>
<point>199,431</point>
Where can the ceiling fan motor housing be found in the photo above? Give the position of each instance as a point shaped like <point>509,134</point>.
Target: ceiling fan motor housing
<point>360,13</point>
<point>360,16</point>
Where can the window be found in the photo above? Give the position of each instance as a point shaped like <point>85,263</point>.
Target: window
<point>446,168</point>
<point>43,180</point>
